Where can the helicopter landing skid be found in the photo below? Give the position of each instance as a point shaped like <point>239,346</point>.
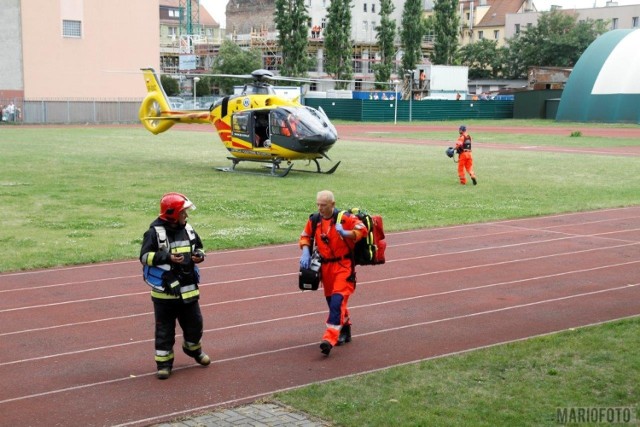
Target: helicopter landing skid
<point>274,166</point>
<point>319,169</point>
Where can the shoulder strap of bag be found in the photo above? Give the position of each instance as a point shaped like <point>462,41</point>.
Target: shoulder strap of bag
<point>161,233</point>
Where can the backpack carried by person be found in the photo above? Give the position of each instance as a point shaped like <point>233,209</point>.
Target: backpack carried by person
<point>371,249</point>
<point>466,145</point>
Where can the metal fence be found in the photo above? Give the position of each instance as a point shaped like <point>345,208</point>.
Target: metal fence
<point>18,110</point>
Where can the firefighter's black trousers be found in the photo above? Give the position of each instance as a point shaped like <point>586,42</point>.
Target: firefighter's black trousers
<point>167,311</point>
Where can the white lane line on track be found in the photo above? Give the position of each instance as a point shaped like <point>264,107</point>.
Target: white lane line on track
<point>356,307</point>
<point>566,237</point>
<point>262,353</point>
<point>401,260</point>
<point>234,402</point>
<point>386,279</point>
<point>297,293</point>
<point>258,248</point>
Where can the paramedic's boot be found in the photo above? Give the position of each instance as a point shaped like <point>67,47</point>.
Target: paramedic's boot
<point>475,181</point>
<point>345,335</point>
<point>325,347</point>
<point>163,373</point>
<point>203,359</point>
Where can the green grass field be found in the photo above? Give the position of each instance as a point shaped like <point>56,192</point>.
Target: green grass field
<point>86,194</point>
<point>74,195</point>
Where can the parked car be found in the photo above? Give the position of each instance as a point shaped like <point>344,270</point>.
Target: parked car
<point>176,103</point>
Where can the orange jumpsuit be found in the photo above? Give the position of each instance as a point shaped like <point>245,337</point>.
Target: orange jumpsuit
<point>336,267</point>
<point>465,159</point>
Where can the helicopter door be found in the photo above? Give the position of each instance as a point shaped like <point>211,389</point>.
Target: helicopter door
<point>261,134</point>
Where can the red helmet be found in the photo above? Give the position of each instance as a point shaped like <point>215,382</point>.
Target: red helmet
<point>172,204</point>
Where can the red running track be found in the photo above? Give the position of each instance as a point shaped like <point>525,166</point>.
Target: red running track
<point>77,343</point>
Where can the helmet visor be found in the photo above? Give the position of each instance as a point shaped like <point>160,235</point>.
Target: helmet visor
<point>188,206</point>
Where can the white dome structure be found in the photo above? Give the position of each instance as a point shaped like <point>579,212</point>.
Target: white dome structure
<point>604,86</point>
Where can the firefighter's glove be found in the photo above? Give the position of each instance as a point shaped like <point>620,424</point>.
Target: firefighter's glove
<point>173,288</point>
<point>305,259</point>
<point>342,231</point>
<point>198,256</point>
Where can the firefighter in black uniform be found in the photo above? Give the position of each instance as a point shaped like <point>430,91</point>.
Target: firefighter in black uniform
<point>173,248</point>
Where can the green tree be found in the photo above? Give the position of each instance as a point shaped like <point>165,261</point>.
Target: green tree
<point>337,42</point>
<point>170,85</point>
<point>446,23</point>
<point>233,60</point>
<point>484,59</point>
<point>291,20</point>
<point>557,40</point>
<point>413,29</point>
<point>203,86</point>
<point>385,34</point>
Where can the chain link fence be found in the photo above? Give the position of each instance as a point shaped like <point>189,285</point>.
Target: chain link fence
<point>60,111</point>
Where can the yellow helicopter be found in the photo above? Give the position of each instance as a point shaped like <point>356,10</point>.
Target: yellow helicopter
<point>255,126</point>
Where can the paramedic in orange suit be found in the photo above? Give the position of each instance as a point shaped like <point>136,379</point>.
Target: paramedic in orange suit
<point>465,158</point>
<point>334,243</point>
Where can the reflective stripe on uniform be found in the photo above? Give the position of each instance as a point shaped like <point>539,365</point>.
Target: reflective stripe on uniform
<point>189,291</point>
<point>191,346</point>
<point>163,355</point>
<point>181,250</point>
<point>162,295</point>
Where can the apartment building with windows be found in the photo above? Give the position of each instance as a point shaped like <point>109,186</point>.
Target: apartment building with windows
<point>76,48</point>
<point>617,17</point>
<point>485,19</point>
<point>189,36</point>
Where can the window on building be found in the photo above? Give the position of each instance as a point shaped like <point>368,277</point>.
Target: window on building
<point>614,24</point>
<point>357,63</point>
<point>429,37</point>
<point>71,28</point>
<point>517,28</point>
<point>364,7</point>
<point>496,34</point>
<point>480,35</point>
<point>634,22</point>
<point>174,13</point>
<point>323,23</point>
<point>373,8</point>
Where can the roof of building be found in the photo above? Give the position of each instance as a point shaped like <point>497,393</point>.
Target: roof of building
<point>205,17</point>
<point>495,16</point>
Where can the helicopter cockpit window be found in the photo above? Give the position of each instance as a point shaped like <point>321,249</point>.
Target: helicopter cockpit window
<point>298,122</point>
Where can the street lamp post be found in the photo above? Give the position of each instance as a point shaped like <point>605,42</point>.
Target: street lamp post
<point>395,96</point>
<point>195,82</point>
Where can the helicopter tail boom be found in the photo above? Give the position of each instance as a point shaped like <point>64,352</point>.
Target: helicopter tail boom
<point>155,111</point>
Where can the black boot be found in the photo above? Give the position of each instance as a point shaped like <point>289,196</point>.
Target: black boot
<point>345,335</point>
<point>325,347</point>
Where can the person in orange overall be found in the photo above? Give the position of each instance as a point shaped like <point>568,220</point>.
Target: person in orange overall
<point>334,242</point>
<point>465,158</point>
